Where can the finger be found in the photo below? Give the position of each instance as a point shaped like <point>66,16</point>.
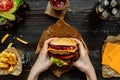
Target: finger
<point>45,45</point>
<point>82,49</point>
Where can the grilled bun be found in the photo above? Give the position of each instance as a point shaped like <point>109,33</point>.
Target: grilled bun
<point>63,42</point>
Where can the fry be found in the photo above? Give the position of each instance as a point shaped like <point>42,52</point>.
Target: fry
<point>8,60</point>
<point>10,45</point>
<point>22,41</point>
<point>4,38</point>
<point>12,59</point>
<point>11,68</point>
<point>4,59</point>
<point>4,65</point>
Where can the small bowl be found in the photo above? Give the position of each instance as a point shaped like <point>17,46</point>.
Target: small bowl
<point>59,4</point>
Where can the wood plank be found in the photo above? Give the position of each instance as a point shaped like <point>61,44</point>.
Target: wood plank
<point>81,17</point>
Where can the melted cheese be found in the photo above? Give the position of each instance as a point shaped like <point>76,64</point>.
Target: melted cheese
<point>116,66</point>
<point>62,50</point>
<point>111,56</point>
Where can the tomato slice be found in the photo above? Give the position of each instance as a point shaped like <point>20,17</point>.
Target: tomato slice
<point>5,5</point>
<point>68,48</point>
<point>64,56</point>
<point>56,47</point>
<point>62,47</point>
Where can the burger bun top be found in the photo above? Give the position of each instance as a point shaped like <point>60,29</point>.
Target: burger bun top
<point>63,42</point>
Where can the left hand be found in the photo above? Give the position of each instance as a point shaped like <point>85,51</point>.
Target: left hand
<point>42,63</point>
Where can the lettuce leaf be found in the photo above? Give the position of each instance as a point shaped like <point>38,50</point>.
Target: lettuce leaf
<point>1,18</point>
<point>18,2</point>
<point>58,62</point>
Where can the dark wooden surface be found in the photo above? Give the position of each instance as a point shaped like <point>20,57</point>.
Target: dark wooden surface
<point>81,17</point>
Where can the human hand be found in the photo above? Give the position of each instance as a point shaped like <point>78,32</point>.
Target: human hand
<point>83,63</point>
<point>42,63</point>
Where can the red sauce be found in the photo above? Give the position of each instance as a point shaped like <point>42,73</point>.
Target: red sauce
<point>58,3</point>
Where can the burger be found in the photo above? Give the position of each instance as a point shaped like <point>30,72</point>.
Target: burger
<point>63,51</point>
<point>12,12</point>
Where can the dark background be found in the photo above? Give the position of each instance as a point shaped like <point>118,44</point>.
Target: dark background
<point>81,16</point>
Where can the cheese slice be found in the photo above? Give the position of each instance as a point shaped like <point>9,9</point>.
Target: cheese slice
<point>62,50</point>
<point>116,66</point>
<point>111,56</point>
<point>115,54</point>
<point>107,50</point>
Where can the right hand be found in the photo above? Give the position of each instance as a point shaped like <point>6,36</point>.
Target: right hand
<point>83,63</point>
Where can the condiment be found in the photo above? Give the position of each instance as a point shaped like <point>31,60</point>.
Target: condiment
<point>59,4</point>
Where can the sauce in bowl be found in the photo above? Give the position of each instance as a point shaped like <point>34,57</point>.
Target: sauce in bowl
<point>59,4</point>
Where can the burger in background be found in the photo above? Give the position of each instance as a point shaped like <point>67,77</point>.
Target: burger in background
<point>12,12</point>
<point>63,51</point>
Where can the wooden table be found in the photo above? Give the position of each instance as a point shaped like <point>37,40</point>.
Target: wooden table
<point>81,17</point>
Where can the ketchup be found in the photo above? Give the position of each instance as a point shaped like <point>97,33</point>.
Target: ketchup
<point>58,3</point>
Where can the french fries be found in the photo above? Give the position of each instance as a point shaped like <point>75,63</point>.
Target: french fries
<point>4,59</point>
<point>4,38</point>
<point>4,65</point>
<point>22,41</point>
<point>8,60</point>
<point>9,45</point>
<point>11,68</point>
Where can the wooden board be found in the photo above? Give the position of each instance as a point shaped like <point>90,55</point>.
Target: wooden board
<point>81,16</point>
